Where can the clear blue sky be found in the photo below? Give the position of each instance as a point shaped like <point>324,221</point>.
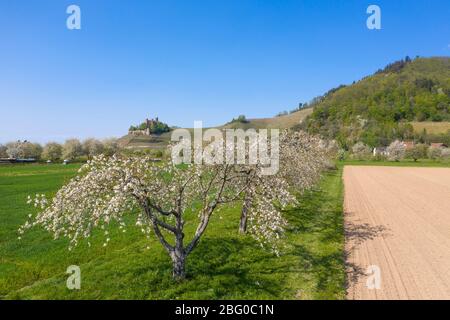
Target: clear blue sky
<point>192,60</point>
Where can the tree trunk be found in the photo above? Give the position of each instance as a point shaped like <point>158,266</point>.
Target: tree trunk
<point>179,262</point>
<point>244,214</point>
<point>243,222</point>
<point>179,255</point>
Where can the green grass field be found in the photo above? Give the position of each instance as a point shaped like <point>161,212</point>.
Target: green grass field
<point>223,266</point>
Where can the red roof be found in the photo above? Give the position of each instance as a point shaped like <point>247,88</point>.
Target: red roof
<point>408,144</point>
<point>438,145</point>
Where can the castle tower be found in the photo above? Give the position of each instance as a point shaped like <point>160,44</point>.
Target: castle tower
<point>147,130</point>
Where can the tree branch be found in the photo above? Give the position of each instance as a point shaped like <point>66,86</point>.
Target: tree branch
<point>206,214</point>
<point>156,229</point>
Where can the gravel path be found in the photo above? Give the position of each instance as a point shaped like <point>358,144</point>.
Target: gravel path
<point>398,220</point>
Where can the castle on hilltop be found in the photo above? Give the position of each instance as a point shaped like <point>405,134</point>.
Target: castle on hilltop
<point>150,126</point>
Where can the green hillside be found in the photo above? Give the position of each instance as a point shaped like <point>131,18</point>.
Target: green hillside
<point>381,107</point>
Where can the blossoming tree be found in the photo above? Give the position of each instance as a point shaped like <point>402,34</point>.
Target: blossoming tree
<point>396,151</point>
<point>302,158</point>
<point>108,188</point>
<point>360,151</point>
<point>262,201</point>
<point>161,195</point>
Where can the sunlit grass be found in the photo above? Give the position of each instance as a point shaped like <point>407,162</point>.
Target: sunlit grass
<point>225,265</point>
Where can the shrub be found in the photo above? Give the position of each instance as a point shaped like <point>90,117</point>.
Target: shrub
<point>396,151</point>
<point>341,155</point>
<point>379,157</point>
<point>159,127</point>
<point>158,153</point>
<point>434,153</point>
<point>282,113</point>
<point>417,152</point>
<point>241,119</point>
<point>360,151</point>
<point>445,153</point>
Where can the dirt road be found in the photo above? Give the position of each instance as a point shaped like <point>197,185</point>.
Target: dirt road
<point>397,221</point>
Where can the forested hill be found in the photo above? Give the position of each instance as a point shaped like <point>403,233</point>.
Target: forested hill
<point>379,108</point>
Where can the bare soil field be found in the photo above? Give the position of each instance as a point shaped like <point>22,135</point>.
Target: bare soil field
<point>398,220</point>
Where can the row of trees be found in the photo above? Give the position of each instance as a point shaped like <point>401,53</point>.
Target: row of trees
<point>70,150</point>
<point>162,194</point>
<point>20,149</point>
<point>241,119</point>
<point>397,151</point>
<point>302,106</point>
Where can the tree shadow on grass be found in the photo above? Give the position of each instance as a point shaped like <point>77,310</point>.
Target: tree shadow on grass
<point>326,268</point>
<point>231,266</point>
<point>319,215</point>
<point>239,268</point>
<point>301,217</point>
<point>234,267</point>
<point>316,213</point>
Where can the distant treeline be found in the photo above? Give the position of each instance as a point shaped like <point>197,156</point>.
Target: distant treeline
<point>72,149</point>
<point>301,106</point>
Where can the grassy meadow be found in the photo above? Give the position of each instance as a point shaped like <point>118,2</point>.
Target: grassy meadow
<point>431,127</point>
<point>225,265</point>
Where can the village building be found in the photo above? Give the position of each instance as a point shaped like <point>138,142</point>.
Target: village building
<point>380,151</point>
<point>409,144</point>
<point>438,145</point>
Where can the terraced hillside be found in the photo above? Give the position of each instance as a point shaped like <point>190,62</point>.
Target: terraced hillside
<point>159,142</point>
<point>281,122</point>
